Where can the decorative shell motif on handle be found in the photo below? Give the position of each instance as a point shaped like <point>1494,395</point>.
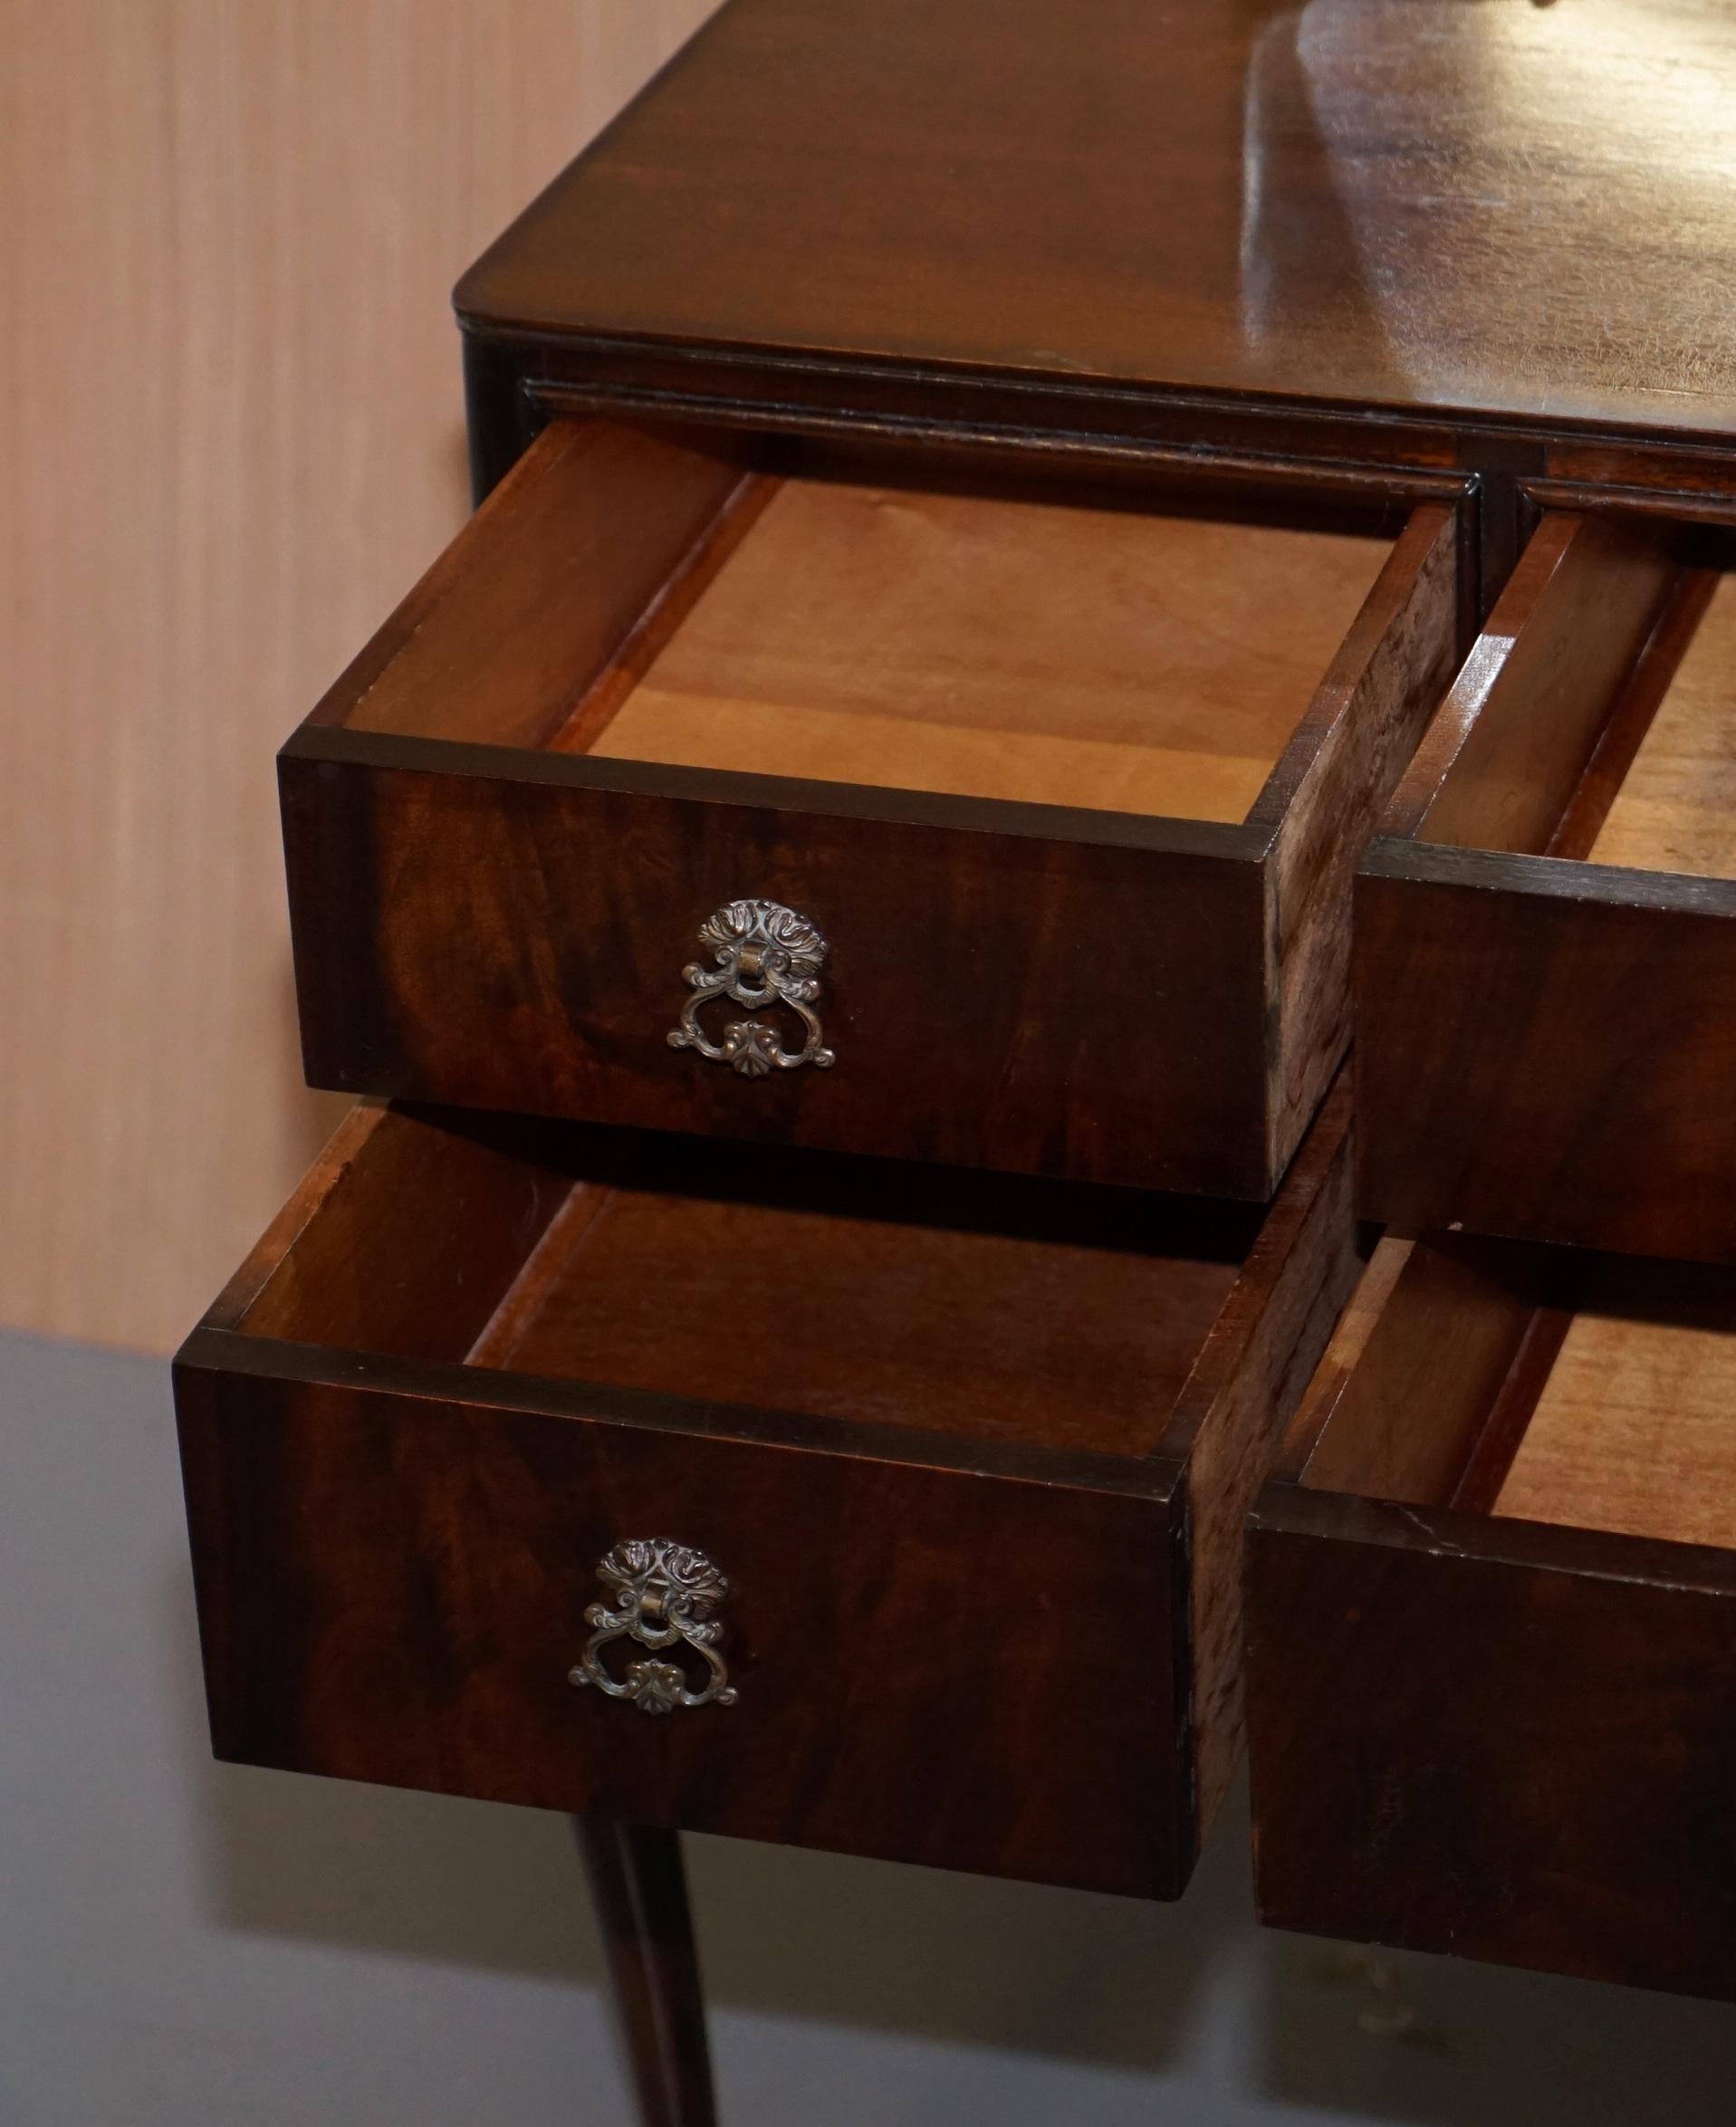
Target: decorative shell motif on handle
<point>665,1595</point>
<point>763,954</point>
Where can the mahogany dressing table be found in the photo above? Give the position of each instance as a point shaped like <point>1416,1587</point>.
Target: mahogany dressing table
<point>1030,565</point>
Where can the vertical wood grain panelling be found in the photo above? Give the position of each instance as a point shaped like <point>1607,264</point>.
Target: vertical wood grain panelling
<point>230,438</point>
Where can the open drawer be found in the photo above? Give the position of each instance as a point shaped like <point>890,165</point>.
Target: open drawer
<point>1492,1619</point>
<point>1546,926</point>
<point>960,1466</point>
<point>993,807</point>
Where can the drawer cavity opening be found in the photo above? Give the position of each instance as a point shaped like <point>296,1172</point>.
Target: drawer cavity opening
<point>942,622</point>
<point>1595,719</point>
<point>864,1291</point>
<point>1521,1383</point>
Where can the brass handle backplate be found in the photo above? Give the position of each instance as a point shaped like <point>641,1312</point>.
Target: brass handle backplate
<point>665,1596</point>
<point>763,955</point>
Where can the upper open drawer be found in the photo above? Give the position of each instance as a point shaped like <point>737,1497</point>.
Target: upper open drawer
<point>1546,926</point>
<point>1491,1618</point>
<point>993,807</point>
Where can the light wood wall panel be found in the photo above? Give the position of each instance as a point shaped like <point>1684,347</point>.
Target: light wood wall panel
<point>230,436</point>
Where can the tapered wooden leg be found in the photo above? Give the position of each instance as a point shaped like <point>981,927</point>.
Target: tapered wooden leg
<point>640,1891</point>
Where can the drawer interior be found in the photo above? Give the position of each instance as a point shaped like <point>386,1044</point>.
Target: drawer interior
<point>996,647</point>
<point>861,1290</point>
<point>1675,809</point>
<point>1594,1392</point>
<point>777,606</point>
<point>1596,717</point>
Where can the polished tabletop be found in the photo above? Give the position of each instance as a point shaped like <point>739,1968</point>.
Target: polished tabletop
<point>1518,211</point>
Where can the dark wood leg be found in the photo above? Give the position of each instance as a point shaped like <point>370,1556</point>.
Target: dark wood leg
<point>640,1891</point>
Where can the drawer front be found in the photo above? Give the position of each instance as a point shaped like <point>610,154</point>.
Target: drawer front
<point>997,999</point>
<point>929,1665</point>
<point>1545,1060</point>
<point>1530,1760</point>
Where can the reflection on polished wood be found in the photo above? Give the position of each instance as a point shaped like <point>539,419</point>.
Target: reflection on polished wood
<point>1465,204</point>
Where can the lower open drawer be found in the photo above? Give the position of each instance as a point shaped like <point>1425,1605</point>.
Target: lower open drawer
<point>1492,1619</point>
<point>501,1421</point>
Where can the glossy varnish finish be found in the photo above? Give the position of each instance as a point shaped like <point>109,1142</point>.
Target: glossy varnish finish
<point>1491,1599</point>
<point>1506,224</point>
<point>990,1567</point>
<point>490,910</point>
<point>1547,1034</point>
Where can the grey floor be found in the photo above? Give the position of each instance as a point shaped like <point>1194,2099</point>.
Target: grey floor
<point>208,1947</point>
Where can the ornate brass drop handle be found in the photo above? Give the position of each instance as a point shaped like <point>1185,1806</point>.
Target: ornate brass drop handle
<point>665,1594</point>
<point>763,954</point>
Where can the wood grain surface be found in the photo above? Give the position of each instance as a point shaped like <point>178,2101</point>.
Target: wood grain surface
<point>1490,1696</point>
<point>510,935</point>
<point>999,648</point>
<point>1040,1320</point>
<point>1676,809</point>
<point>1631,1430</point>
<point>1510,1076</point>
<point>230,438</point>
<point>491,910</point>
<point>1511,209</point>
